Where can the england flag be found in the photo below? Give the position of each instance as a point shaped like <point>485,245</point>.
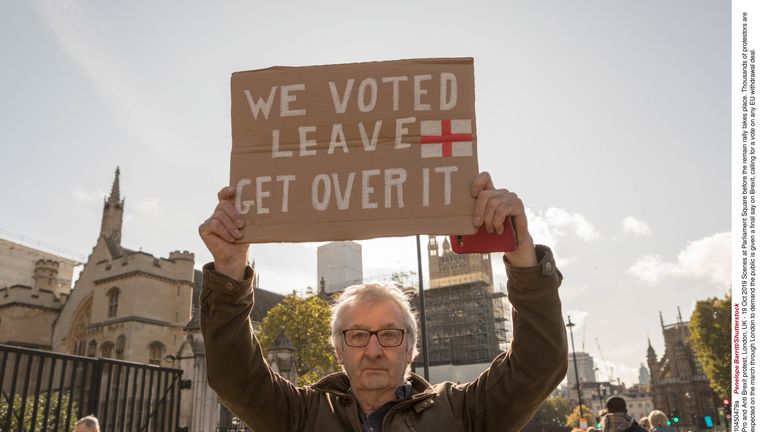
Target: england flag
<point>446,138</point>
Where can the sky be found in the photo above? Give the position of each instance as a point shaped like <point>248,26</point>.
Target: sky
<point>610,120</point>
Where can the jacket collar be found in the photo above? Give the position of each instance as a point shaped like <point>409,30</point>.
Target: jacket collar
<point>338,383</point>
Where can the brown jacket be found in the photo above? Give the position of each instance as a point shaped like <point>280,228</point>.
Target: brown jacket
<point>502,398</point>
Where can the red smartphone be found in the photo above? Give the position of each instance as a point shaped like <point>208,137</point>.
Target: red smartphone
<point>483,242</point>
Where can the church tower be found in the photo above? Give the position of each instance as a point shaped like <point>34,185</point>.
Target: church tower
<point>112,217</point>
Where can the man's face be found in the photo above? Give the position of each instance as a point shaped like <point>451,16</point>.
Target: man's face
<point>374,367</point>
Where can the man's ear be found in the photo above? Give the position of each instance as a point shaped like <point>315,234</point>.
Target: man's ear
<point>339,357</point>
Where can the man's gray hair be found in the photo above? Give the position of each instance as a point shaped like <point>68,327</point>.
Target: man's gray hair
<point>90,422</point>
<point>371,293</point>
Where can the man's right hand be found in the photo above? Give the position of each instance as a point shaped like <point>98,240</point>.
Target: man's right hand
<point>220,232</point>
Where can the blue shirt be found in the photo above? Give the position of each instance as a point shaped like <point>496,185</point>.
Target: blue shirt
<point>372,423</point>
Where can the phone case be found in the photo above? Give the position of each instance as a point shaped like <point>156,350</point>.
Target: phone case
<point>483,242</point>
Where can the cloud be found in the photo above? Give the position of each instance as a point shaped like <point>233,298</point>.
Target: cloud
<point>86,197</point>
<point>707,259</point>
<point>553,224</point>
<point>630,225</point>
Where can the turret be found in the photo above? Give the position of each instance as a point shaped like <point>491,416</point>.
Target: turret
<point>45,275</point>
<point>112,217</point>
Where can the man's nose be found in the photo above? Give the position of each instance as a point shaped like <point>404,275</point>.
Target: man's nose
<point>373,349</point>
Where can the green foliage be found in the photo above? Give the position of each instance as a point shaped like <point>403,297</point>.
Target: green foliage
<point>574,418</point>
<point>40,416</point>
<point>710,339</point>
<point>307,323</point>
<point>553,411</point>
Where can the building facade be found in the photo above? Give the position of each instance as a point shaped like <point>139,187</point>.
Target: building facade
<point>678,383</point>
<point>585,365</point>
<point>339,265</point>
<point>468,323</point>
<point>126,305</point>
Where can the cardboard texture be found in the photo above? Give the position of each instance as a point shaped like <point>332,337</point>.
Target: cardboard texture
<point>354,151</point>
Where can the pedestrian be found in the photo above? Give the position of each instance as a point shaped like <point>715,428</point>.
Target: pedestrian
<point>374,336</point>
<point>87,424</point>
<point>659,421</point>
<point>645,423</point>
<point>617,419</point>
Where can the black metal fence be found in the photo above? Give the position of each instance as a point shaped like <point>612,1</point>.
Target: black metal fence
<point>45,391</point>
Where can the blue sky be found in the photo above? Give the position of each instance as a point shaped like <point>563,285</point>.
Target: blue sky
<point>610,119</point>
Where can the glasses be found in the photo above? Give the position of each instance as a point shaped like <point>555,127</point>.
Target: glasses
<point>388,338</point>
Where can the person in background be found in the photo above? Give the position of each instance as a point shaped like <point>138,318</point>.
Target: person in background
<point>659,422</point>
<point>87,424</point>
<point>617,419</point>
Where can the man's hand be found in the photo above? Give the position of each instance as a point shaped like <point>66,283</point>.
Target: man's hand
<point>219,233</point>
<point>493,206</point>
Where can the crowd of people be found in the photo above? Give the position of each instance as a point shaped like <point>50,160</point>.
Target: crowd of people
<point>615,419</point>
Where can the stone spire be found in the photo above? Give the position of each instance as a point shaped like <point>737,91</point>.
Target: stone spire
<point>114,197</point>
<point>112,217</point>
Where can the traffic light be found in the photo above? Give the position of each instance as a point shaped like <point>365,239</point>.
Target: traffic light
<point>674,418</point>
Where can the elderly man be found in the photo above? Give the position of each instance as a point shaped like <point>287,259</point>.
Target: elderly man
<point>374,336</point>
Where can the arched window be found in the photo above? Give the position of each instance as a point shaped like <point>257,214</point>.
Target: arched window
<point>106,349</point>
<point>92,348</point>
<point>114,298</point>
<point>120,347</point>
<point>156,351</point>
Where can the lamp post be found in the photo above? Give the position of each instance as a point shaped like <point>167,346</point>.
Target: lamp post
<point>422,312</point>
<point>575,367</point>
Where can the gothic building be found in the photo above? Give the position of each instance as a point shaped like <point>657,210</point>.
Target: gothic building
<point>468,323</point>
<point>678,383</point>
<point>126,305</point>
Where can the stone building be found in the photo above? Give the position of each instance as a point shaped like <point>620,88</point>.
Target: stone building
<point>678,383</point>
<point>585,365</point>
<point>468,322</point>
<point>126,304</point>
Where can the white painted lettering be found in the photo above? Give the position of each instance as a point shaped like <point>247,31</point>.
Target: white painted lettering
<point>368,85</point>
<point>395,80</point>
<point>368,190</point>
<point>261,194</point>
<point>341,104</point>
<point>342,199</point>
<point>286,98</point>
<point>446,171</point>
<point>425,187</point>
<point>448,102</point>
<point>286,179</point>
<point>394,177</point>
<point>317,203</point>
<point>401,130</point>
<point>261,105</point>
<point>276,152</point>
<point>418,92</point>
<point>337,139</point>
<point>241,206</point>
<point>369,144</point>
<point>305,143</point>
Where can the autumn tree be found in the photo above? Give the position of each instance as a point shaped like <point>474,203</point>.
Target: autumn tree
<point>710,339</point>
<point>575,416</point>
<point>554,411</point>
<point>307,323</point>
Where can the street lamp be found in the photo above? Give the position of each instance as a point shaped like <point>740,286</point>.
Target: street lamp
<point>575,367</point>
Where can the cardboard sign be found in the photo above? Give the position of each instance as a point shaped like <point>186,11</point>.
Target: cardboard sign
<point>354,151</point>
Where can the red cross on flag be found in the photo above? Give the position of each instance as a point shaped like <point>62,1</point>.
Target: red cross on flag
<point>446,138</point>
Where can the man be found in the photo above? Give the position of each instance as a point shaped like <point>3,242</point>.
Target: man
<point>374,335</point>
<point>87,424</point>
<point>617,419</point>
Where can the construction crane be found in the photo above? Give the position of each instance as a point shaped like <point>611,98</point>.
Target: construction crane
<point>602,360</point>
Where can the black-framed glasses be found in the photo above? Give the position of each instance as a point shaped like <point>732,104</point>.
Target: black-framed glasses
<point>359,338</point>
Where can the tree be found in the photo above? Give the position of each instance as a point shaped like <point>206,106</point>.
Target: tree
<point>575,417</point>
<point>554,411</point>
<point>710,339</point>
<point>55,417</point>
<point>307,323</point>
